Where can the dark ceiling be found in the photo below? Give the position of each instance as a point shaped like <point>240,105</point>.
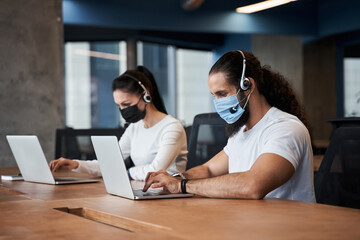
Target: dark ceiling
<point>206,26</point>
<point>209,5</point>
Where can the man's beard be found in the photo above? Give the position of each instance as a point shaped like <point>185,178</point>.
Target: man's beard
<point>231,129</point>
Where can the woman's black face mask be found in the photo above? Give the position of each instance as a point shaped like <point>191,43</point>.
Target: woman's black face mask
<point>132,114</point>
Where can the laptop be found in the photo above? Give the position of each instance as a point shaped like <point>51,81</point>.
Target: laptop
<point>115,175</point>
<point>32,163</point>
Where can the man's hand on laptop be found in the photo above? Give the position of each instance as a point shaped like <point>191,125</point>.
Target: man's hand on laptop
<point>162,179</point>
<point>63,164</point>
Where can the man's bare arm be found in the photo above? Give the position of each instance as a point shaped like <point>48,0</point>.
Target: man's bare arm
<point>268,172</point>
<point>216,166</point>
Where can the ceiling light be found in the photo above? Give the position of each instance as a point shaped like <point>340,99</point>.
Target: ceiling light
<point>103,55</point>
<point>262,6</point>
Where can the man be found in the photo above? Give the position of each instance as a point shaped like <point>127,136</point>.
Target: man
<point>268,154</point>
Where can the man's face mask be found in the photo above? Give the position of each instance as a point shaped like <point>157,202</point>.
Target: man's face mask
<point>229,108</point>
<point>132,114</point>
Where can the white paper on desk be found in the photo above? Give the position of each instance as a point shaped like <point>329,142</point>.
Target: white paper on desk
<point>12,177</point>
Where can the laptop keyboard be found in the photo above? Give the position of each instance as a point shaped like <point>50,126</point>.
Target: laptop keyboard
<point>149,192</point>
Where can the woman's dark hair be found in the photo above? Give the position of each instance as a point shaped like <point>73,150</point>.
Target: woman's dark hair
<point>272,85</point>
<point>128,84</point>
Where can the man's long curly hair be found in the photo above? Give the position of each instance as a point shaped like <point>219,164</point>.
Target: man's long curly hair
<point>272,85</point>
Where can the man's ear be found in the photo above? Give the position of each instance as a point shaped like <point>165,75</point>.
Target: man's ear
<point>252,84</point>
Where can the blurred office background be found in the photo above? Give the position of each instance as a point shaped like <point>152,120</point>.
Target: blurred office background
<point>58,58</point>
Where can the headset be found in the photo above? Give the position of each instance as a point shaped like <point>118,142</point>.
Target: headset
<point>244,82</point>
<point>146,96</point>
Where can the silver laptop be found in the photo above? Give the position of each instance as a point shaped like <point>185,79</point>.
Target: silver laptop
<point>32,163</point>
<point>115,175</point>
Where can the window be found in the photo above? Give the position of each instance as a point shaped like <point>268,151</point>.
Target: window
<point>90,67</point>
<point>352,87</point>
<point>89,71</point>
<point>156,58</point>
<point>193,94</point>
<point>181,75</point>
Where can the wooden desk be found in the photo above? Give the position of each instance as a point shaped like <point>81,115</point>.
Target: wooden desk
<point>33,215</point>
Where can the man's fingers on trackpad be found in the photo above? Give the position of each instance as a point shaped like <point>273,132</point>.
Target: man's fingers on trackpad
<point>151,184</point>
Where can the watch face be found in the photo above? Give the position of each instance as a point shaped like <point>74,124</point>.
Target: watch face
<point>179,175</point>
<point>182,176</point>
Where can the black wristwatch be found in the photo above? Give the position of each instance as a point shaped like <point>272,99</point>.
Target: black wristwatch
<point>183,185</point>
<point>183,181</point>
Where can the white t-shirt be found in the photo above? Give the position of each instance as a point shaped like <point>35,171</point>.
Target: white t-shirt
<point>162,146</point>
<point>283,134</point>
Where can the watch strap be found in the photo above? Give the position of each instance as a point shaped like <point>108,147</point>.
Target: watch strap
<point>183,185</point>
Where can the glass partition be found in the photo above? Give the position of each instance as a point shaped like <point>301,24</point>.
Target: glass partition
<point>352,87</point>
<point>90,68</point>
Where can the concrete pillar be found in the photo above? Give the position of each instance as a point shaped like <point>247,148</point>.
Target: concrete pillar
<point>31,72</point>
<point>131,52</point>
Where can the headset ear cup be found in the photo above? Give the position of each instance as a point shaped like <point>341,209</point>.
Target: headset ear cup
<point>147,98</point>
<point>245,84</point>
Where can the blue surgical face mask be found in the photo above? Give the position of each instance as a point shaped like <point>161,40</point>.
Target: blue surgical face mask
<point>229,108</point>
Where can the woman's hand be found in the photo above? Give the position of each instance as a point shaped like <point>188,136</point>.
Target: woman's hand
<point>63,163</point>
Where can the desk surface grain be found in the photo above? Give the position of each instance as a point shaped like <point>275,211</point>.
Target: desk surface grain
<point>34,214</point>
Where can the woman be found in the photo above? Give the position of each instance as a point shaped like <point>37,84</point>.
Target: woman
<point>154,140</point>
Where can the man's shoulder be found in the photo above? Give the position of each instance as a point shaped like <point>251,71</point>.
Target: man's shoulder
<point>278,117</point>
<point>281,123</point>
<point>275,113</point>
<point>285,128</point>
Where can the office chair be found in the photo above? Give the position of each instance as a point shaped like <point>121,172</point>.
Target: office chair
<point>338,180</point>
<point>76,143</point>
<point>207,138</point>
<point>188,133</point>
